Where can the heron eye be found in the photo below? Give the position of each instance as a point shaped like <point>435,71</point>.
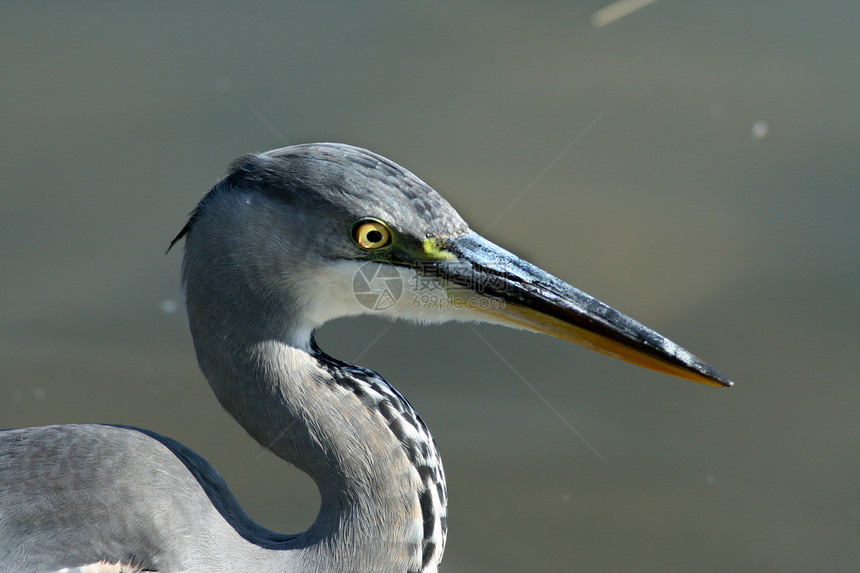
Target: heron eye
<point>370,234</point>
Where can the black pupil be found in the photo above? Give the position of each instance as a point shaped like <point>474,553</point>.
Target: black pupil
<point>374,236</point>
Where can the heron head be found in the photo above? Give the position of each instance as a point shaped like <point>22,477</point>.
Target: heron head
<point>314,232</point>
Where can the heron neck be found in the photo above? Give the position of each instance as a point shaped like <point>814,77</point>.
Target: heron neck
<point>382,488</point>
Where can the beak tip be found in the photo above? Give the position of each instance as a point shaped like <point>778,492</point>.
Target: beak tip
<point>714,378</point>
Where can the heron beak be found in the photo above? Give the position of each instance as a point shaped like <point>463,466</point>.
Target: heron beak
<point>486,278</point>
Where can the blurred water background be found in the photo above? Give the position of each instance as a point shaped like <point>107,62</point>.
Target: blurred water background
<point>694,164</point>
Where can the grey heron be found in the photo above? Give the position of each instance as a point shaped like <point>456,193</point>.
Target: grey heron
<point>272,251</point>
